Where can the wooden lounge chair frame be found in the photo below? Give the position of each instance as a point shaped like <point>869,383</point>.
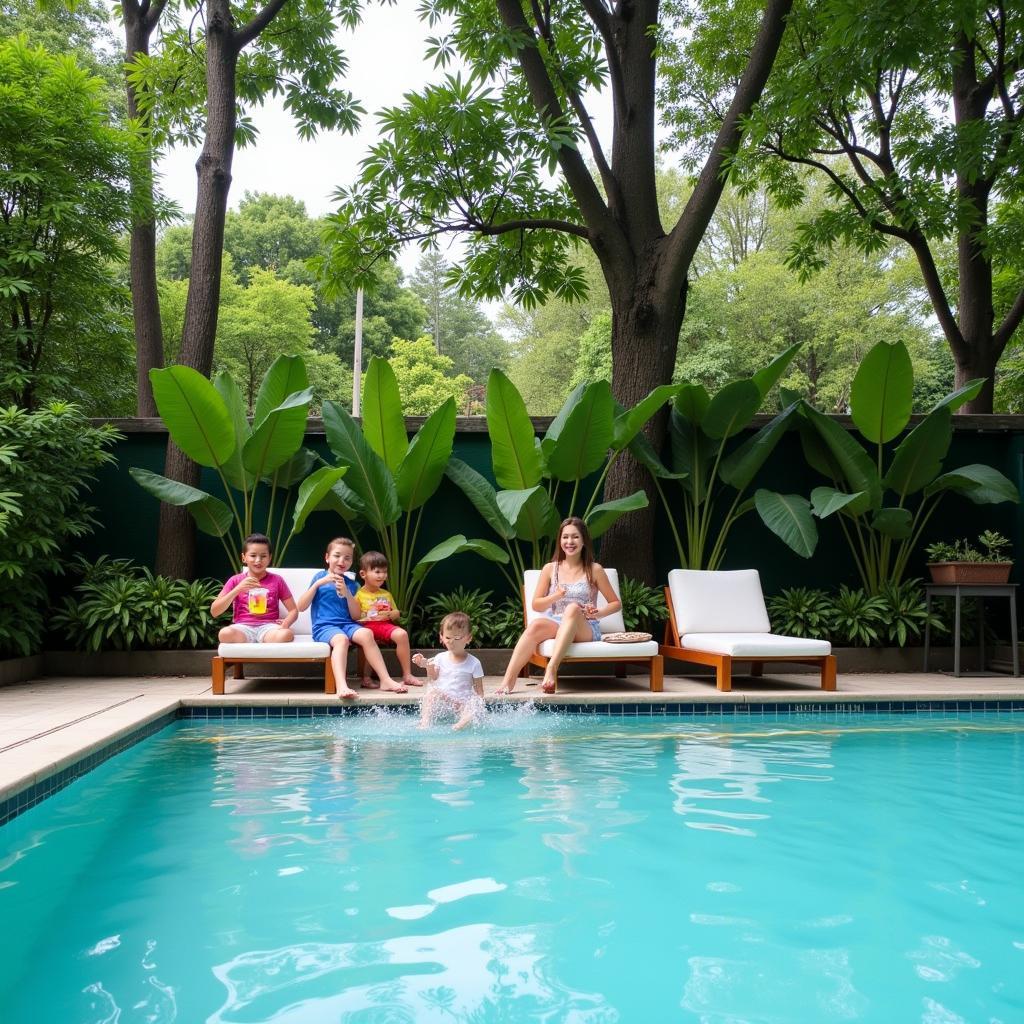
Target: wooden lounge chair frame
<point>722,663</point>
<point>222,664</point>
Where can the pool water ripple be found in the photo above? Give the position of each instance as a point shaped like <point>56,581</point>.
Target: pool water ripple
<point>544,867</point>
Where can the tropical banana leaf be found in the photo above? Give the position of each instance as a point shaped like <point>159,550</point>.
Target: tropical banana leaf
<point>741,466</point>
<point>212,516</point>
<point>897,523</point>
<point>278,436</point>
<point>581,447</point>
<point>195,414</point>
<point>853,462</point>
<point>917,460</point>
<point>514,453</point>
<point>456,545</point>
<point>531,511</point>
<point>692,403</point>
<point>383,422</point>
<point>312,492</point>
<point>482,495</point>
<point>981,484</point>
<point>961,396</point>
<point>882,394</point>
<point>789,517</point>
<point>767,378</point>
<point>731,409</point>
<point>234,471</point>
<point>629,422</point>
<point>827,500</point>
<point>286,376</point>
<point>421,470</point>
<point>602,517</point>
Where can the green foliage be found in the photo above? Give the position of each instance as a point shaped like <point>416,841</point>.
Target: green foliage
<point>390,479</point>
<point>643,607</point>
<point>122,607</point>
<point>991,547</point>
<point>424,377</point>
<point>475,603</point>
<point>47,459</point>
<point>876,504</point>
<point>508,622</point>
<point>64,173</point>
<point>801,611</point>
<point>857,618</point>
<point>208,422</point>
<point>904,613</point>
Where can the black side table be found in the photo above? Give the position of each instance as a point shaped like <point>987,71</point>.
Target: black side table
<point>981,591</point>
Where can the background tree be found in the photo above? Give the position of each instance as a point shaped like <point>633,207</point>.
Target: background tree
<point>458,326</point>
<point>425,377</point>
<point>469,157</point>
<point>64,200</point>
<point>914,115</point>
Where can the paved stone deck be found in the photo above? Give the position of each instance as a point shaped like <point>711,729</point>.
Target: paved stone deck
<point>46,725</point>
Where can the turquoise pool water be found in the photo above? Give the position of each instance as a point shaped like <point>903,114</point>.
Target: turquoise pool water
<point>546,868</point>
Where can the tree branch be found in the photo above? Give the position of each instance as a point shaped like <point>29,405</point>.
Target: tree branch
<point>242,37</point>
<point>1011,322</point>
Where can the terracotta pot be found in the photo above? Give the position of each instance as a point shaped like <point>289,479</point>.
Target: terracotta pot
<point>952,573</point>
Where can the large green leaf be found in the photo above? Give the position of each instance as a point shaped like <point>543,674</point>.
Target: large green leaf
<point>827,500</point>
<point>853,462</point>
<point>692,451</point>
<point>234,471</point>
<point>731,409</point>
<point>287,374</point>
<point>312,492</point>
<point>279,436</point>
<point>741,466</point>
<point>212,516</point>
<point>789,517</point>
<point>767,378</point>
<point>918,459</point>
<point>897,523</point>
<point>961,396</point>
<point>383,422</point>
<point>532,512</point>
<point>295,470</point>
<point>815,451</point>
<point>692,402</point>
<point>423,466</point>
<point>982,484</point>
<point>581,447</point>
<point>456,545</point>
<point>556,424</point>
<point>602,516</point>
<point>643,451</point>
<point>629,423</point>
<point>368,476</point>
<point>343,500</point>
<point>882,394</point>
<point>482,495</point>
<point>195,414</point>
<point>514,455</point>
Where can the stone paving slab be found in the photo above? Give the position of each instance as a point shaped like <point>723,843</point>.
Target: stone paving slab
<point>47,725</point>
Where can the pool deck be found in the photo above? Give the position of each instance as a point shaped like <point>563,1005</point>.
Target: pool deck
<point>50,724</point>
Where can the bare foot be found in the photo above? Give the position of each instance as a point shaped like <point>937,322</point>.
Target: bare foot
<point>369,684</point>
<point>394,687</point>
<point>347,694</point>
<point>548,686</point>
<point>411,680</point>
<point>504,689</point>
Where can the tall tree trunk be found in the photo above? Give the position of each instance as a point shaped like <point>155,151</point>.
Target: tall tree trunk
<point>139,23</point>
<point>176,546</point>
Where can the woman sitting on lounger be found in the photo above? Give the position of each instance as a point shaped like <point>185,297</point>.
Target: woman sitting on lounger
<point>567,594</point>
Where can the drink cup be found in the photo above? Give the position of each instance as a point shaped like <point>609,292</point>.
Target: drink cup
<point>258,601</point>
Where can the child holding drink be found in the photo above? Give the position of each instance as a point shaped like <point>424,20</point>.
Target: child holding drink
<point>256,596</point>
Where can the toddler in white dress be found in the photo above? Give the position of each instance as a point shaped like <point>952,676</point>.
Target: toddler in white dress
<point>456,678</point>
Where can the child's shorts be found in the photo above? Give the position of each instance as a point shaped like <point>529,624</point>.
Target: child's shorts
<point>255,634</point>
<point>381,630</point>
<point>325,634</point>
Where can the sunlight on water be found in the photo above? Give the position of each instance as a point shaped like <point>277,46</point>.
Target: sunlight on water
<point>540,867</point>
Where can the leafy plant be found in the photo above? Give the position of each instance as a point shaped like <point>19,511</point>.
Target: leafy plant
<point>904,612</point>
<point>857,617</point>
<point>700,428</point>
<point>123,607</point>
<point>208,422</point>
<point>48,457</point>
<point>801,611</point>
<point>872,501</point>
<point>475,603</point>
<point>992,547</point>
<point>588,435</point>
<point>507,622</point>
<point>643,607</point>
<point>390,479</point>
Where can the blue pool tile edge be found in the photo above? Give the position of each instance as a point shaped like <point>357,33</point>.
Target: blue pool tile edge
<point>26,798</point>
<point>20,802</point>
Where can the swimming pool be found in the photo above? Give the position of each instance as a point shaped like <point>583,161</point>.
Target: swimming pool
<point>583,869</point>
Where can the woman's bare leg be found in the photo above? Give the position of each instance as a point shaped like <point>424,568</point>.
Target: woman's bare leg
<point>573,629</point>
<point>535,633</point>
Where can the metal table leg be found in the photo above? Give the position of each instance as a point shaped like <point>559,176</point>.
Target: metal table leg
<point>956,633</point>
<point>927,628</point>
<point>1013,634</point>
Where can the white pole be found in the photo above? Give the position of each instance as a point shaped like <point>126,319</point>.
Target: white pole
<point>357,356</point>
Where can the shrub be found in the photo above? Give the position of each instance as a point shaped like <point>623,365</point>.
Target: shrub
<point>123,607</point>
<point>47,459</point>
<point>801,611</point>
<point>904,613</point>
<point>507,622</point>
<point>643,607</point>
<point>475,603</point>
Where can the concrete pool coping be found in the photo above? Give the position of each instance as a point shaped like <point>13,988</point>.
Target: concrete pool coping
<point>54,725</point>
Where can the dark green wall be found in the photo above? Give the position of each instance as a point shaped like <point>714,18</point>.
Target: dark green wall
<point>128,516</point>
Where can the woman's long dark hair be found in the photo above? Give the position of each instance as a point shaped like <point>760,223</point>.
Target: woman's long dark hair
<point>588,545</point>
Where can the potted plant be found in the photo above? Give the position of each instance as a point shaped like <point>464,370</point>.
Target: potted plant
<point>961,562</point>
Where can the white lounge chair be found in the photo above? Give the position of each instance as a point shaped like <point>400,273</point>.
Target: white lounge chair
<point>302,649</point>
<point>716,618</point>
<point>644,653</point>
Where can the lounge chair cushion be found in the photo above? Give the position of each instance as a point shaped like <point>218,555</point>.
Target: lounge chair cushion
<point>754,645</point>
<point>609,623</point>
<point>300,647</point>
<point>718,602</point>
<point>600,649</point>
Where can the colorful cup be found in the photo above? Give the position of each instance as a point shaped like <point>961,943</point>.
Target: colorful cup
<point>258,601</point>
